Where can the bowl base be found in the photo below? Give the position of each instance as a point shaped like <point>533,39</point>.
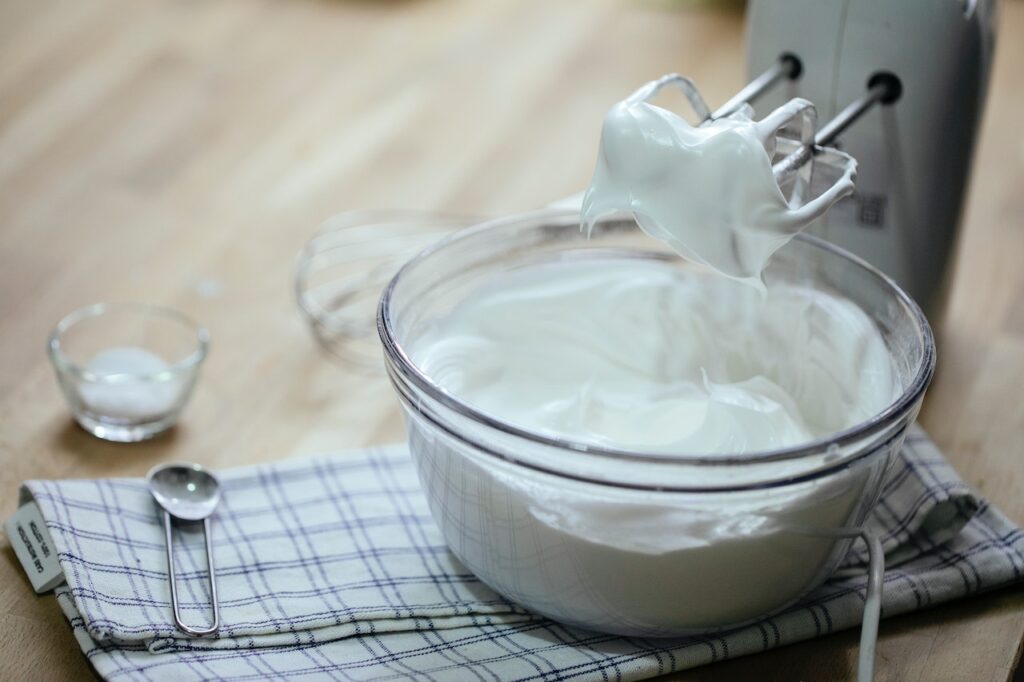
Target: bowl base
<point>124,433</point>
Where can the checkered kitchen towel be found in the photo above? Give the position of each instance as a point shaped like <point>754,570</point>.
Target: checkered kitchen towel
<point>333,569</point>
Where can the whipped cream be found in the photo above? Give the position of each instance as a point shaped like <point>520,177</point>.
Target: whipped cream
<point>641,355</point>
<point>708,191</point>
<point>637,354</point>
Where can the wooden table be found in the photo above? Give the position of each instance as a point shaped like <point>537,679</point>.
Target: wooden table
<point>180,152</point>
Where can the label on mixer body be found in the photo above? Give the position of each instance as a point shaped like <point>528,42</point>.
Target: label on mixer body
<point>30,539</point>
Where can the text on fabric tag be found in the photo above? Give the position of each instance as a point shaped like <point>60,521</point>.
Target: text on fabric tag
<point>28,535</point>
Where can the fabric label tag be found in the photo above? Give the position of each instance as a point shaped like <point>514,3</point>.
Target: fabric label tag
<point>28,535</point>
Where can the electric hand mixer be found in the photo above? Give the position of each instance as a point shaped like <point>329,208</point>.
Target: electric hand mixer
<point>925,62</point>
<point>928,61</point>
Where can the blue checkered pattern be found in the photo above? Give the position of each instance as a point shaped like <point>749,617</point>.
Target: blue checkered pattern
<point>332,569</point>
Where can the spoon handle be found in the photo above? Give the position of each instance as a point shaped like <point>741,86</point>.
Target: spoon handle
<point>174,583</point>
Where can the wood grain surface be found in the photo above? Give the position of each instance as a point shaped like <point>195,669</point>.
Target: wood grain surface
<point>181,151</point>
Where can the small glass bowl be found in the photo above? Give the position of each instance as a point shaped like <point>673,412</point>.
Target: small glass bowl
<point>127,369</point>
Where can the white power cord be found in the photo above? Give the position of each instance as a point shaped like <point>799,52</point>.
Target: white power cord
<point>872,607</point>
<point>872,600</point>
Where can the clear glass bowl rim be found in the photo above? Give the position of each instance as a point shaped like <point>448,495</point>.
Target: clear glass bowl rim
<point>65,364</point>
<point>400,362</point>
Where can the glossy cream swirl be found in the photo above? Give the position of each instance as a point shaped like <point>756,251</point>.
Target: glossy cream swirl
<point>636,354</point>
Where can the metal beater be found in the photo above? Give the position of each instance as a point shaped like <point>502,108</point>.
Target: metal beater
<point>813,142</point>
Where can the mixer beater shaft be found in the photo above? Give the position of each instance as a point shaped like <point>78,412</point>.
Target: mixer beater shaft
<point>883,88</point>
<point>787,66</point>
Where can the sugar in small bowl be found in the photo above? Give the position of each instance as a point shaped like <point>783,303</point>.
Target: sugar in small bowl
<point>127,369</point>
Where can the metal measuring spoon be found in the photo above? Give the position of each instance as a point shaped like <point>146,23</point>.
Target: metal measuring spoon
<point>191,493</point>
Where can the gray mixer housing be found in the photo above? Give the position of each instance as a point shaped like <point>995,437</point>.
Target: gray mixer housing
<point>914,155</point>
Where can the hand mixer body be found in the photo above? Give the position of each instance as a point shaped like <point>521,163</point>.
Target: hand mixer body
<point>914,155</point>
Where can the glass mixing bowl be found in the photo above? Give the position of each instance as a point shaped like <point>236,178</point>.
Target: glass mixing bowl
<point>629,542</point>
